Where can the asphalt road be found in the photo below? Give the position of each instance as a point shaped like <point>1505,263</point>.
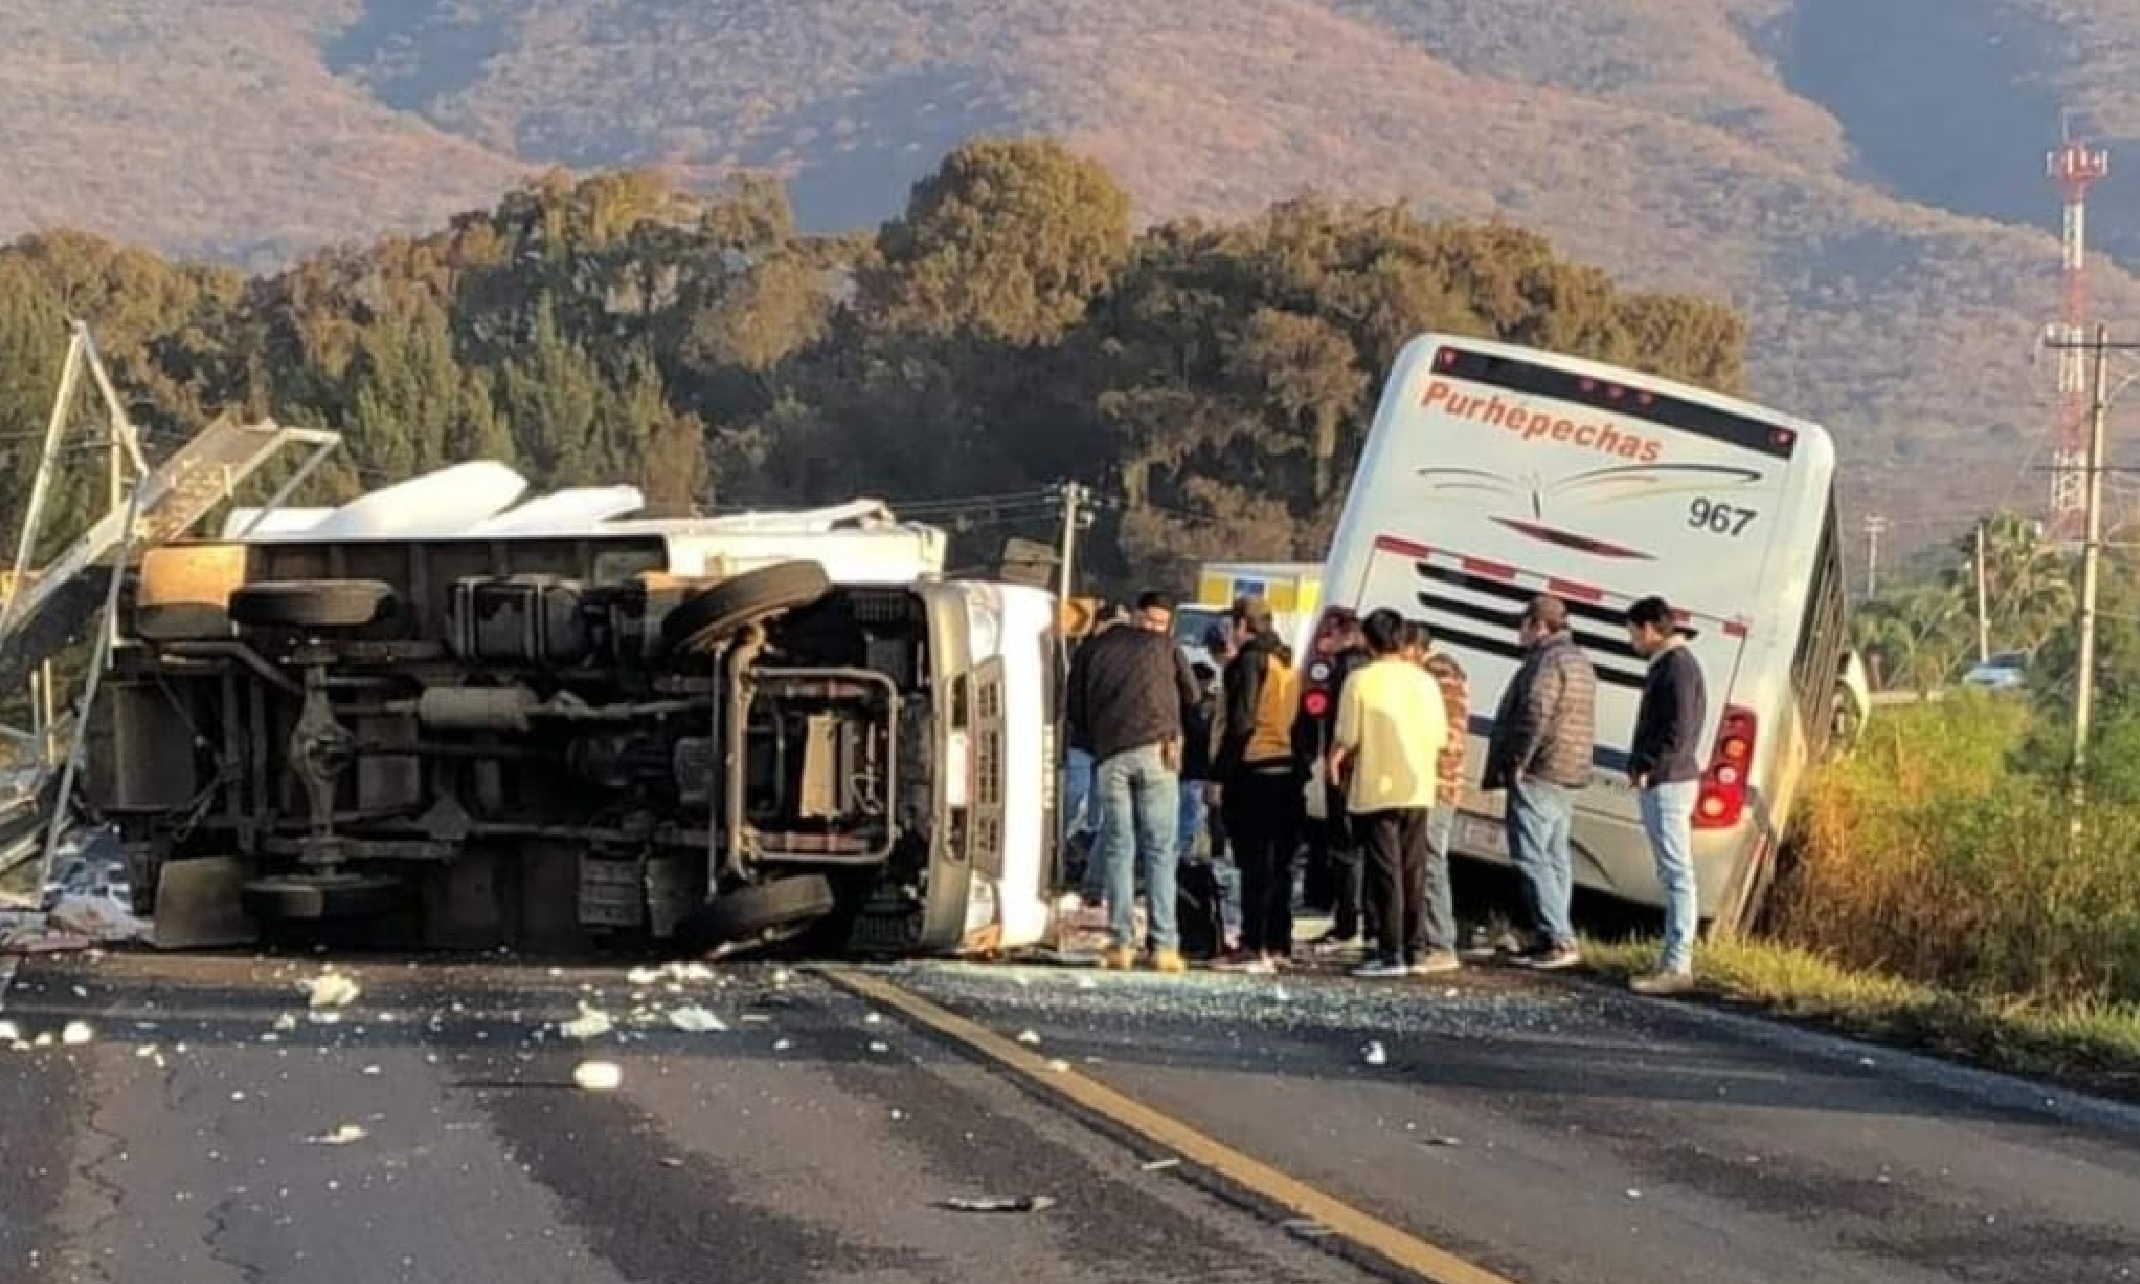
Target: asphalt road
<point>1549,1134</point>
<point>804,1142</point>
<point>1572,1133</point>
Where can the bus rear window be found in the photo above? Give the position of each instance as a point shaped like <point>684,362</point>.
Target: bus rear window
<point>1530,379</point>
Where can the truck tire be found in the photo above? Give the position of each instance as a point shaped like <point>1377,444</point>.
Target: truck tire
<point>708,617</point>
<point>310,898</point>
<point>311,604</point>
<point>762,912</point>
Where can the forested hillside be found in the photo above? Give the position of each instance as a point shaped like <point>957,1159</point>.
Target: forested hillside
<point>1862,181</point>
<point>1009,329</point>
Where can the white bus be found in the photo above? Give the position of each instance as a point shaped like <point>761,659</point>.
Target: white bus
<point>1496,473</point>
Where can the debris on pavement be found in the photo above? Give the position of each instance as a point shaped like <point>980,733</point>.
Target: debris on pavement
<point>330,989</point>
<point>1373,1054</point>
<point>76,1034</point>
<point>1029,1038</point>
<point>591,1023</point>
<point>98,918</point>
<point>1160,1165</point>
<point>347,1134</point>
<point>598,1076</point>
<point>696,1020</point>
<point>1028,1204</point>
<point>31,933</point>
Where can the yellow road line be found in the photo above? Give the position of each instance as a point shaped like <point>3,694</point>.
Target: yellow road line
<point>1392,1244</point>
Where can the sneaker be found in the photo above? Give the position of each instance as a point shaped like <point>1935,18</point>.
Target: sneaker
<point>1557,959</point>
<point>1262,966</point>
<point>1168,961</point>
<point>1235,961</point>
<point>1118,959</point>
<point>1437,963</point>
<point>1662,983</point>
<point>1381,970</point>
<point>1331,943</point>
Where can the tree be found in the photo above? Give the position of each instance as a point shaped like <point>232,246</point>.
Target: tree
<point>1008,238</point>
<point>1009,329</point>
<point>2028,581</point>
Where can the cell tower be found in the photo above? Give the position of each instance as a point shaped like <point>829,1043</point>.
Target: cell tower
<point>2074,166</point>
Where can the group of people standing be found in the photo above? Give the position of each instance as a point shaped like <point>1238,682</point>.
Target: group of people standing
<point>1388,755</point>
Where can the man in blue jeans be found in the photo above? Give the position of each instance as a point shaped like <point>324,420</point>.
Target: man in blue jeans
<point>1664,766</point>
<point>1540,751</point>
<point>1125,701</point>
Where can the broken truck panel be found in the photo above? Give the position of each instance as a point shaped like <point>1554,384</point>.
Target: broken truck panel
<point>552,739</point>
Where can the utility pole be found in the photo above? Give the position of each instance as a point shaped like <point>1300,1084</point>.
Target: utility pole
<point>1983,605</point>
<point>1073,496</point>
<point>2099,348</point>
<point>2091,556</point>
<point>1875,527</point>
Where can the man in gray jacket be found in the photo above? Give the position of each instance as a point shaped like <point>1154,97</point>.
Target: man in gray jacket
<point>1540,752</point>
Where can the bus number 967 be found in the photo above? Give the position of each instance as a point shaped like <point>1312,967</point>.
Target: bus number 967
<point>1718,517</point>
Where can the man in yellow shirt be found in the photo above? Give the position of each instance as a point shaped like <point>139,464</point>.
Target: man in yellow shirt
<point>1386,750</point>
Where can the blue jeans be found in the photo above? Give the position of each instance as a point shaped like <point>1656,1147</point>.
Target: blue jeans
<point>1138,793</point>
<point>1192,818</point>
<point>1668,819</point>
<point>1541,820</point>
<point>1078,796</point>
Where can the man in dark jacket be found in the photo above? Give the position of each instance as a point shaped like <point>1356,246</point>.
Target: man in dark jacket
<point>1540,752</point>
<point>1259,784</point>
<point>1664,766</point>
<point>1125,700</point>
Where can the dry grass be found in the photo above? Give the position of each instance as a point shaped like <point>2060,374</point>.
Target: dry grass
<point>1677,142</point>
<point>1942,899</point>
<point>2090,1044</point>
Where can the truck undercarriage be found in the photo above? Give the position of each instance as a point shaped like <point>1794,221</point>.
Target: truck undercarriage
<point>540,742</point>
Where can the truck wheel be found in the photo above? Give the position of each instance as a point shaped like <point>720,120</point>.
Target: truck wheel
<point>287,897</point>
<point>708,617</point>
<point>762,913</point>
<point>311,604</point>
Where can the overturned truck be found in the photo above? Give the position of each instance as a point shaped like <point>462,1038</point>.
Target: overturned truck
<point>557,740</point>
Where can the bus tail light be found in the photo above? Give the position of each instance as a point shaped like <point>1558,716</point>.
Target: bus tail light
<point>1723,793</point>
<point>1318,669</point>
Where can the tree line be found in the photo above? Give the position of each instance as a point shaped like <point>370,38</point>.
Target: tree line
<point>1011,327</point>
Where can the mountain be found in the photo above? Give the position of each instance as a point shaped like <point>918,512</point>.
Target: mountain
<point>1863,179</point>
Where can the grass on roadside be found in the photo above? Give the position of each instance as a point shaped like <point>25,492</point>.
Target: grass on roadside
<point>2087,1043</point>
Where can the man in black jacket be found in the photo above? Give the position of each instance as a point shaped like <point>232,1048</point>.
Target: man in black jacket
<point>1664,765</point>
<point>1125,700</point>
<point>1259,784</point>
